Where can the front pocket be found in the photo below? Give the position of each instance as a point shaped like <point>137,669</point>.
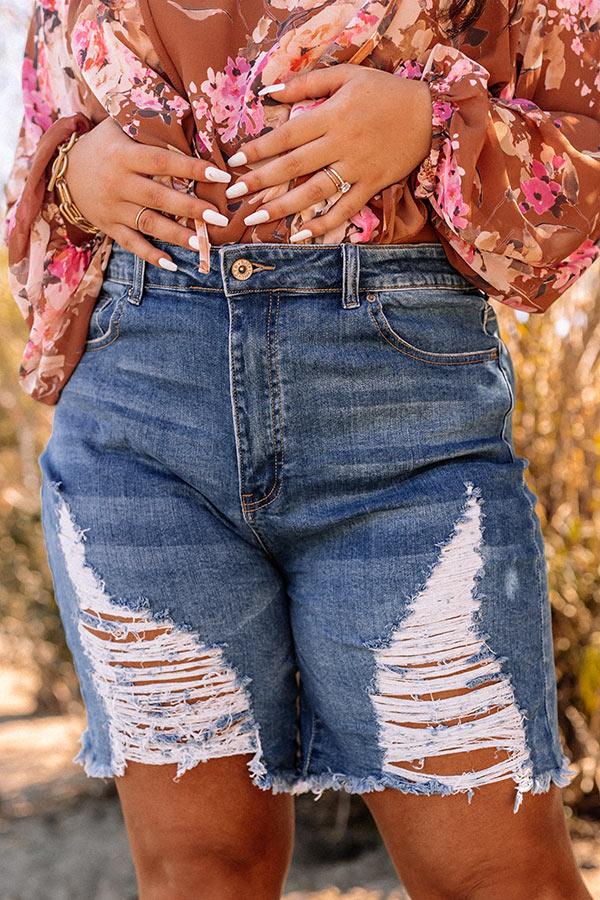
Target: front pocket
<point>438,325</point>
<point>106,317</point>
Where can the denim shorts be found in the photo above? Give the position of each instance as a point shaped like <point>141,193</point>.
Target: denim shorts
<point>285,519</point>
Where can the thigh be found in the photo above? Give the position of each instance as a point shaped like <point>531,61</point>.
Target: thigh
<point>445,848</point>
<point>214,828</point>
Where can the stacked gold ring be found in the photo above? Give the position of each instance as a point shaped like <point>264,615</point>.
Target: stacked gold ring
<point>340,184</point>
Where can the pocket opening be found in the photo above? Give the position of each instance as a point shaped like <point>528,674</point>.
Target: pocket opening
<point>106,316</point>
<point>405,340</point>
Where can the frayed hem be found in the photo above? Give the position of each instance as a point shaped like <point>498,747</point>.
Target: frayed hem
<point>354,784</point>
<point>291,782</point>
<point>91,765</point>
<point>561,776</point>
<point>294,784</point>
<point>95,768</point>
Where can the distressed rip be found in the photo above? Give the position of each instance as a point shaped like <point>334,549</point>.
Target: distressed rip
<point>438,649</point>
<point>169,697</point>
<point>191,705</point>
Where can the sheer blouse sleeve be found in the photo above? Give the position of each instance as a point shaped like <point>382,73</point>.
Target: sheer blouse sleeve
<point>96,61</point>
<point>513,176</point>
<point>54,268</point>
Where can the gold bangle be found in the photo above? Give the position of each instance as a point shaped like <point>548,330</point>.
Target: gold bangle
<point>67,207</point>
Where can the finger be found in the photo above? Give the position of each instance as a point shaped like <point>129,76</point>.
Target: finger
<point>133,241</point>
<point>149,192</point>
<point>161,227</point>
<point>317,83</point>
<point>318,188</point>
<point>307,158</point>
<point>162,161</point>
<point>345,208</point>
<point>298,130</point>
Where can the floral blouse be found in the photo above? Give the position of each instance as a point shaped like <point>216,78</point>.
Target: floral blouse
<point>511,186</point>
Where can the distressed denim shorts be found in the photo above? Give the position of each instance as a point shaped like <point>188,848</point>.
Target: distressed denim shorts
<point>285,519</point>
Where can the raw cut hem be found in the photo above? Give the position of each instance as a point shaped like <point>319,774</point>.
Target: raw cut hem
<point>561,776</point>
<point>352,784</point>
<point>87,758</point>
<point>294,783</point>
<point>96,768</point>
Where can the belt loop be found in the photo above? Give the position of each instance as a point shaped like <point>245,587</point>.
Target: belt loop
<point>350,273</point>
<point>136,290</point>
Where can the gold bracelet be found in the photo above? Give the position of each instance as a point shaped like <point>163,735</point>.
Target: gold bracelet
<point>69,210</point>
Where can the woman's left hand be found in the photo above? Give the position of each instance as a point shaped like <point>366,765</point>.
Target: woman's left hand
<point>373,127</point>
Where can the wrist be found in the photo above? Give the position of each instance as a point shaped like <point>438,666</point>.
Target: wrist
<point>423,119</point>
<point>70,212</point>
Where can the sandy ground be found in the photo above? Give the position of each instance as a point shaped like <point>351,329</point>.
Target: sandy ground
<point>62,835</point>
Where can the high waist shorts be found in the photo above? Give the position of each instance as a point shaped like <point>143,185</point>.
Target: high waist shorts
<point>285,520</point>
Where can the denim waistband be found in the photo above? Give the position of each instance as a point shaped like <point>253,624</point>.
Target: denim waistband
<point>251,268</point>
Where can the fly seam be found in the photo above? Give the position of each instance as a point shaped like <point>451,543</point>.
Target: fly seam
<point>273,486</point>
<point>266,545</point>
<point>262,504</point>
<point>235,404</point>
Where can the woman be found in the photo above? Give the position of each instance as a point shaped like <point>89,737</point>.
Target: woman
<point>291,542</point>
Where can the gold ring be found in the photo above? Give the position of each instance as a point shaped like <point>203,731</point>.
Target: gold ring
<point>137,218</point>
<point>340,184</point>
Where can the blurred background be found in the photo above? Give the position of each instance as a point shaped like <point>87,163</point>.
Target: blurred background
<point>52,816</point>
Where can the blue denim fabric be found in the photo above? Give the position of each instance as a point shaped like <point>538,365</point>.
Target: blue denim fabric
<point>292,483</point>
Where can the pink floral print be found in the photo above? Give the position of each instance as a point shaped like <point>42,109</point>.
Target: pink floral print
<point>509,188</point>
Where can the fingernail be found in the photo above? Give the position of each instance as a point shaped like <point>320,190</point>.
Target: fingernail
<point>271,88</point>
<point>300,236</point>
<point>237,190</point>
<point>238,159</point>
<point>214,174</point>
<point>255,218</point>
<point>167,264</point>
<point>193,242</point>
<point>214,218</point>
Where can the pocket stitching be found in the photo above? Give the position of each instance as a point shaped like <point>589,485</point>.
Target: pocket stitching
<point>100,343</point>
<point>483,355</point>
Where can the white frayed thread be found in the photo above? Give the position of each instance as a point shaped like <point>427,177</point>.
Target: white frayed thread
<point>429,653</point>
<point>169,698</point>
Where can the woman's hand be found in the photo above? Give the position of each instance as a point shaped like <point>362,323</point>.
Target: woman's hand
<point>107,176</point>
<point>373,127</point>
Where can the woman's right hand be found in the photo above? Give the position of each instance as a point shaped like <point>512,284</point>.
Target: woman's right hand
<point>107,169</point>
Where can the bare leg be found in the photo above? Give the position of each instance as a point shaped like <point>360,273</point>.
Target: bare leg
<point>212,835</point>
<point>445,849</point>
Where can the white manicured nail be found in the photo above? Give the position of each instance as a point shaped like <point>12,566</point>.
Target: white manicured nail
<point>237,190</point>
<point>271,88</point>
<point>300,236</point>
<point>238,159</point>
<point>193,242</point>
<point>214,218</point>
<point>255,218</point>
<point>214,174</point>
<point>167,264</point>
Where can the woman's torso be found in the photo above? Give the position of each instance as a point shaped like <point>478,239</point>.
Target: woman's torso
<point>218,58</point>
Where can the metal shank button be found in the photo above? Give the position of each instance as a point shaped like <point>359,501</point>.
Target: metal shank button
<point>241,269</point>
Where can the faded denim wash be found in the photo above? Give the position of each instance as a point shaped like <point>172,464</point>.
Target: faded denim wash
<point>314,537</point>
